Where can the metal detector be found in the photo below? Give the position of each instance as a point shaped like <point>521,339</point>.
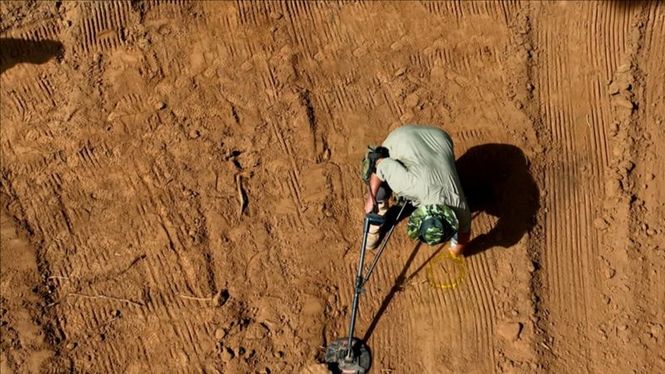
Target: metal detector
<point>351,355</point>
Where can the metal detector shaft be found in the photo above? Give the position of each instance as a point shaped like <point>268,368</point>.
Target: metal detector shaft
<point>383,246</point>
<point>373,219</point>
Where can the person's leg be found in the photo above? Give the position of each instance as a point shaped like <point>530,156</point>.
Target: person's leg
<point>383,193</point>
<point>382,197</point>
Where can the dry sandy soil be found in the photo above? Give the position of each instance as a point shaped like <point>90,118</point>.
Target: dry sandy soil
<point>180,187</point>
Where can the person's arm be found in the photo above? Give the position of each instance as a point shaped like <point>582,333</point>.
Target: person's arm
<point>374,183</point>
<point>394,174</point>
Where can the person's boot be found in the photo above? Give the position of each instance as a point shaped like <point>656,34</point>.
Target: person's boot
<point>374,233</point>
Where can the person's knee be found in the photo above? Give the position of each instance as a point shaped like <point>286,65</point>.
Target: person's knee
<point>383,193</point>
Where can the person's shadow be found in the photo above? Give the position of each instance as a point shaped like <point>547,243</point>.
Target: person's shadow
<point>496,180</point>
<point>16,51</point>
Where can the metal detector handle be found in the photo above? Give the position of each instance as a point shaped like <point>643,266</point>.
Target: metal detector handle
<point>383,245</point>
<point>370,218</point>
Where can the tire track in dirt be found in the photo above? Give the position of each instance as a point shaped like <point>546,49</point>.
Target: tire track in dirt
<point>292,175</point>
<point>564,198</point>
<point>92,310</point>
<point>32,88</point>
<point>165,302</point>
<point>91,160</point>
<point>563,221</point>
<point>23,326</point>
<point>169,9</point>
<point>48,29</point>
<point>571,267</point>
<point>636,136</point>
<point>30,94</point>
<point>44,337</point>
<point>101,26</point>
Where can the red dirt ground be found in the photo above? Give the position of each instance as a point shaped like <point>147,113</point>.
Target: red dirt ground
<point>180,190</point>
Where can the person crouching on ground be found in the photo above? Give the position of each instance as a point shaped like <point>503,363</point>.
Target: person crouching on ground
<point>418,164</point>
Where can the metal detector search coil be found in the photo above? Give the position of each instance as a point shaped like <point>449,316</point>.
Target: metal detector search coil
<point>446,256</point>
<point>337,353</point>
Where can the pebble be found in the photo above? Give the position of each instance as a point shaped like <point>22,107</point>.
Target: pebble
<point>613,88</point>
<point>510,330</point>
<point>612,187</point>
<point>399,72</point>
<point>160,105</point>
<point>406,117</point>
<point>624,103</point>
<point>609,273</point>
<point>396,46</point>
<point>227,355</point>
<point>194,133</point>
<point>627,165</point>
<point>623,68</point>
<point>411,100</point>
<point>246,66</point>
<point>256,331</point>
<point>614,128</point>
<point>220,334</point>
<point>617,151</point>
<point>600,223</point>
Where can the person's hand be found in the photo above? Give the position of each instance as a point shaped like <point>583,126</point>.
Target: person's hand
<point>456,250</point>
<point>457,245</point>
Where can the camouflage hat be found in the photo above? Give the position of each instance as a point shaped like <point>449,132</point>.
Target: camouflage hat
<point>433,224</point>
